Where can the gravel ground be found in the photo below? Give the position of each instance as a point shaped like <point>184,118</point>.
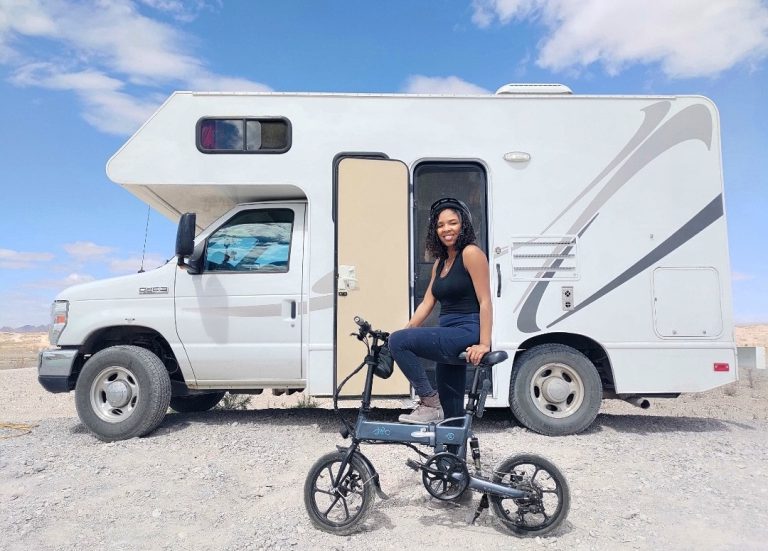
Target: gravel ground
<point>686,474</point>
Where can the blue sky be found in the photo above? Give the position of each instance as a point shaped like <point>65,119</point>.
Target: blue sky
<point>77,78</point>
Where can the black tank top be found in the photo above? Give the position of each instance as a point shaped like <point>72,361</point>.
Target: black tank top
<point>455,291</point>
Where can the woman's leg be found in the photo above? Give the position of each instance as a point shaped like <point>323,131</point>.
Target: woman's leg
<point>440,344</point>
<point>407,346</point>
<point>451,383</point>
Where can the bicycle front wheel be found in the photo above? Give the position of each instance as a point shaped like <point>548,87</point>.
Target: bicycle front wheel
<point>338,508</point>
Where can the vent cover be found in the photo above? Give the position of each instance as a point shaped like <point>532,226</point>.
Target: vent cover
<point>551,257</point>
<point>514,89</point>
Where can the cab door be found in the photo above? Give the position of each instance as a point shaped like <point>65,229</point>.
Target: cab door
<point>372,261</point>
<point>240,319</point>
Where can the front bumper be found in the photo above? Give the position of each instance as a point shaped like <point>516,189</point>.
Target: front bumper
<point>54,369</point>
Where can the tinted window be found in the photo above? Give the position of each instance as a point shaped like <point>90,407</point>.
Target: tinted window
<point>252,241</point>
<point>235,135</point>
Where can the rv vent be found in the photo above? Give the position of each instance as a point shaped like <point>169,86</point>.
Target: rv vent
<point>522,89</point>
<point>549,257</point>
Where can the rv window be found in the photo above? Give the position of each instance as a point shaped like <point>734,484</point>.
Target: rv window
<point>266,135</point>
<point>252,241</point>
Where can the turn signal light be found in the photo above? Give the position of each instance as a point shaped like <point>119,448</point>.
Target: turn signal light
<point>722,367</point>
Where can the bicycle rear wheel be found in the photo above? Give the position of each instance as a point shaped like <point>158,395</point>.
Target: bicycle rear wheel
<point>550,499</point>
<point>340,509</point>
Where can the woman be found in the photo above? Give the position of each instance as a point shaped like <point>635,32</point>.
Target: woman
<point>460,282</point>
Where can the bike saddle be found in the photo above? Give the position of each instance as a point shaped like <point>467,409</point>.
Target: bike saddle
<point>493,358</point>
<point>490,358</point>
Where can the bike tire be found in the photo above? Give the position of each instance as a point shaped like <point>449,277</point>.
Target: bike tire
<point>341,511</point>
<point>539,475</point>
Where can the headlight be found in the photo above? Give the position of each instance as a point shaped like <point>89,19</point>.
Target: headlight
<point>59,316</point>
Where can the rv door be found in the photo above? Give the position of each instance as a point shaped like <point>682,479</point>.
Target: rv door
<point>372,261</point>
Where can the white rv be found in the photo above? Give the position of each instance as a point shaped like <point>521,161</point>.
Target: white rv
<point>602,218</point>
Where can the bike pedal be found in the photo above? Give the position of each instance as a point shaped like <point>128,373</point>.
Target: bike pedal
<point>415,465</point>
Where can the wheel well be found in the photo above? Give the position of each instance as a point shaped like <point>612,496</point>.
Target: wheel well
<point>137,336</point>
<point>589,347</point>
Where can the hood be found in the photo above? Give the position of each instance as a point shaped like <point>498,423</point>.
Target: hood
<point>154,283</point>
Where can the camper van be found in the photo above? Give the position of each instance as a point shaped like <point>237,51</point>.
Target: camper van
<point>602,218</point>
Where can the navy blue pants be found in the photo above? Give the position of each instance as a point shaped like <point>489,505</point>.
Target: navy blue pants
<point>441,344</point>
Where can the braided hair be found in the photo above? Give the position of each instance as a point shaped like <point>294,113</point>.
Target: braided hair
<point>466,235</point>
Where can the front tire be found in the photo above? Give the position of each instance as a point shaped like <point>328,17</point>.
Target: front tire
<point>196,402</point>
<point>555,390</point>
<point>122,392</point>
<point>339,510</point>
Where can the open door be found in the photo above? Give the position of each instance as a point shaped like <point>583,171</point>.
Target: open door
<point>372,262</point>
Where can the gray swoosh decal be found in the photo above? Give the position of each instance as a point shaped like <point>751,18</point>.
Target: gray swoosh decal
<point>526,321</point>
<point>692,123</point>
<point>654,114</point>
<point>705,217</point>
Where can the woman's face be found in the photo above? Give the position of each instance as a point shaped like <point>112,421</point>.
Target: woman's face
<point>448,227</point>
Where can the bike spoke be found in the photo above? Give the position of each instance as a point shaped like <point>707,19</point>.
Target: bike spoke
<point>346,509</point>
<point>333,504</point>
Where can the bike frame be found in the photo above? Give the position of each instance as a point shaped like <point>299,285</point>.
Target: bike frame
<point>455,431</point>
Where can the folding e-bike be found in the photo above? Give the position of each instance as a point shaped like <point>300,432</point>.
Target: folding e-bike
<point>528,493</point>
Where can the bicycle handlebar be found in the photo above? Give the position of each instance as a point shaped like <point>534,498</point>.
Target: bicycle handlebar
<point>365,330</point>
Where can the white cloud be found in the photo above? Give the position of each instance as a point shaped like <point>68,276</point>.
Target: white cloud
<point>419,84</point>
<point>132,264</point>
<point>59,284</point>
<point>121,63</point>
<point>18,260</point>
<point>23,308</point>
<point>86,250</point>
<point>183,10</point>
<point>688,38</point>
<point>75,279</point>
<point>741,276</point>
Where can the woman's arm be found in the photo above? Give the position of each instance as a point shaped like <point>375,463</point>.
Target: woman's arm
<point>426,306</point>
<point>476,264</point>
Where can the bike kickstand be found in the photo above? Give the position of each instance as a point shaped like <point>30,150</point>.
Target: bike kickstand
<point>480,506</point>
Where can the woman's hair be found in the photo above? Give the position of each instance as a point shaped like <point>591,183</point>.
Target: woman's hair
<point>466,235</point>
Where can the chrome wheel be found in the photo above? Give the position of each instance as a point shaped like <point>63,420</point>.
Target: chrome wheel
<point>114,394</point>
<point>557,390</point>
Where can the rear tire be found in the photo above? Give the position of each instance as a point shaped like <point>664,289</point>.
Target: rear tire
<point>196,402</point>
<point>122,392</point>
<point>547,510</point>
<point>555,390</point>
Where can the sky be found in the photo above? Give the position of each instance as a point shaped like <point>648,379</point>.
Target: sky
<point>77,78</point>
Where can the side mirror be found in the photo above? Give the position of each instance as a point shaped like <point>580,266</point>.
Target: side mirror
<point>185,236</point>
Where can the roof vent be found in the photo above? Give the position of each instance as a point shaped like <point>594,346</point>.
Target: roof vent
<point>518,89</point>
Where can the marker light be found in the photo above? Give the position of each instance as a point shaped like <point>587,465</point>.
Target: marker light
<point>517,157</point>
<point>722,367</point>
<point>59,316</point>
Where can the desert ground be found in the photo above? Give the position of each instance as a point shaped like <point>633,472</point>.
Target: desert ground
<point>689,473</point>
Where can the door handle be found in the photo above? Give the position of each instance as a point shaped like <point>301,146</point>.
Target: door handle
<point>293,309</point>
<point>498,280</point>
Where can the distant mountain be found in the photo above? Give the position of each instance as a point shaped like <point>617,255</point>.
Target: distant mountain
<point>25,329</point>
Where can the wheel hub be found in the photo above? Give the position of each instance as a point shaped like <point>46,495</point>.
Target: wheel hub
<point>556,390</point>
<point>118,394</point>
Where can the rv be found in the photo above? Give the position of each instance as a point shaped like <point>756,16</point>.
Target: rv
<point>602,218</point>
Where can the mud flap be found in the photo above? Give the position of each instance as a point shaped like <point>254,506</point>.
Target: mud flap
<point>374,474</point>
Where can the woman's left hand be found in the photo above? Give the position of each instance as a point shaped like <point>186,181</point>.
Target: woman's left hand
<point>476,352</point>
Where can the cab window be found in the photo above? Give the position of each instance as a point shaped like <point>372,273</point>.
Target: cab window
<point>252,241</point>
